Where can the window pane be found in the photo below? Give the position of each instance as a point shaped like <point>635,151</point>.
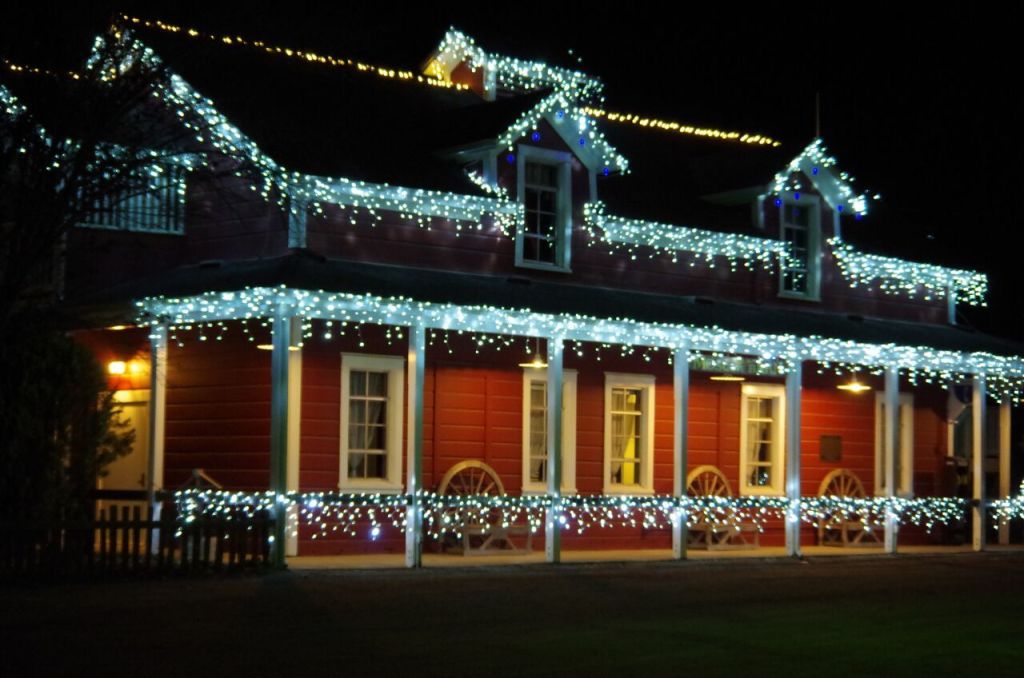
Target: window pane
<point>765,408</point>
<point>356,437</point>
<point>547,201</point>
<point>546,251</point>
<point>375,437</point>
<point>377,384</point>
<point>538,470</point>
<point>375,466</point>
<point>541,175</point>
<point>759,476</point>
<point>357,383</point>
<point>357,465</point>
<point>376,411</point>
<point>357,411</point>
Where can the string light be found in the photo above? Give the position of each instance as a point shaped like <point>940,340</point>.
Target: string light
<point>681,128</point>
<point>287,52</point>
<point>1004,374</point>
<point>627,234</point>
<point>820,168</point>
<point>897,276</point>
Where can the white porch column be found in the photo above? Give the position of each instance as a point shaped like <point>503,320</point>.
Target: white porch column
<point>552,526</point>
<point>294,432</point>
<point>414,447</point>
<point>157,420</point>
<point>279,364</point>
<point>1004,462</point>
<point>978,398</point>
<point>680,419</point>
<point>793,381</point>
<point>890,447</point>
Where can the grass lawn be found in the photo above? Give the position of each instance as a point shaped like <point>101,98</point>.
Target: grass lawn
<point>914,616</point>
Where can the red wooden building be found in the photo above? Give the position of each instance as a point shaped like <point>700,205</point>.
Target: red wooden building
<point>482,261</point>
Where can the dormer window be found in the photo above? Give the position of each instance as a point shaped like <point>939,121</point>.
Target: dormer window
<point>544,191</point>
<point>799,227</point>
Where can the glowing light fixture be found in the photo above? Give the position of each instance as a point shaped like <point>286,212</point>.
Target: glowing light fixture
<point>727,377</point>
<point>538,361</point>
<point>854,387</point>
<point>117,367</point>
<point>270,347</point>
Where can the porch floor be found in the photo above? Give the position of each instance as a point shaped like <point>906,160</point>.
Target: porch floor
<point>396,560</point>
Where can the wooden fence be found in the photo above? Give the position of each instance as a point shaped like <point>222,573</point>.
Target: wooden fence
<point>121,540</point>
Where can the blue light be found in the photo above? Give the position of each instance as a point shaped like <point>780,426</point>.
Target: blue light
<point>535,136</point>
<point>814,171</point>
<point>583,141</point>
<point>796,196</point>
<point>859,216</point>
<point>511,158</point>
<point>560,114</point>
<point>778,202</point>
<point>839,208</point>
<point>606,171</point>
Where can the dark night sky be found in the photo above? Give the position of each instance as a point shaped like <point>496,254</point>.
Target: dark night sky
<point>922,109</point>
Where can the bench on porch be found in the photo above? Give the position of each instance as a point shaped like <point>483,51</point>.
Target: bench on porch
<point>488,536</point>
<point>841,528</point>
<point>705,481</point>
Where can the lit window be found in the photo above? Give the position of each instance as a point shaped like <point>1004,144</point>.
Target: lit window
<point>629,434</point>
<point>762,439</point>
<point>535,441</point>
<point>904,445</point>
<point>155,205</point>
<point>544,238</point>
<point>798,220</point>
<point>371,422</point>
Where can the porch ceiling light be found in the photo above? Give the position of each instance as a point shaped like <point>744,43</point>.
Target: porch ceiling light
<point>538,361</point>
<point>270,347</point>
<point>854,387</point>
<point>117,367</point>
<point>727,377</point>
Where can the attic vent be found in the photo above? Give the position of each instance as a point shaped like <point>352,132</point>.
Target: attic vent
<point>855,318</point>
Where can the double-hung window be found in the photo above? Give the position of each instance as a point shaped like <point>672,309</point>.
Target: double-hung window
<point>371,422</point>
<point>904,445</point>
<point>799,227</point>
<point>543,239</point>
<point>762,439</point>
<point>535,430</point>
<point>629,433</point>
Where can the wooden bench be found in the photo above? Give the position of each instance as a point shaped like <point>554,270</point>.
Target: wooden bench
<point>488,537</point>
<point>841,528</point>
<point>708,481</point>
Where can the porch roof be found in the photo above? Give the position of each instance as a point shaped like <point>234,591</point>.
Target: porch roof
<point>305,270</point>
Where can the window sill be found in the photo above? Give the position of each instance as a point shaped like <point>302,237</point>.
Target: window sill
<point>800,297</point>
<point>371,488</point>
<point>529,490</point>
<point>537,266</point>
<point>628,490</point>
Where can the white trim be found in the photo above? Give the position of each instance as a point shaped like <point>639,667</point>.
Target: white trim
<point>530,375</point>
<point>562,160</point>
<point>813,245</point>
<point>778,467</point>
<point>905,483</point>
<point>645,382</point>
<point>395,367</point>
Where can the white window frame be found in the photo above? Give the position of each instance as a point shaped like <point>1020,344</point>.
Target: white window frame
<point>813,203</point>
<point>778,486</point>
<point>905,481</point>
<point>645,382</point>
<point>563,228</point>
<point>395,367</point>
<point>531,375</point>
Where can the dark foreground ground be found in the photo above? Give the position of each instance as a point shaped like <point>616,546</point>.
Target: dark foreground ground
<point>912,616</point>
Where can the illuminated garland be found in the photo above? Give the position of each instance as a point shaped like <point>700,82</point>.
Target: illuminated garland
<point>896,276</point>
<point>508,73</point>
<point>681,128</point>
<point>346,514</point>
<point>310,57</point>
<point>572,123</point>
<point>819,167</point>
<point>1005,375</point>
<point>627,234</point>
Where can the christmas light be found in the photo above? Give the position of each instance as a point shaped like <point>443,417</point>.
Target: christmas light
<point>896,276</point>
<point>1004,374</point>
<point>819,167</point>
<point>627,234</point>
<point>681,128</point>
